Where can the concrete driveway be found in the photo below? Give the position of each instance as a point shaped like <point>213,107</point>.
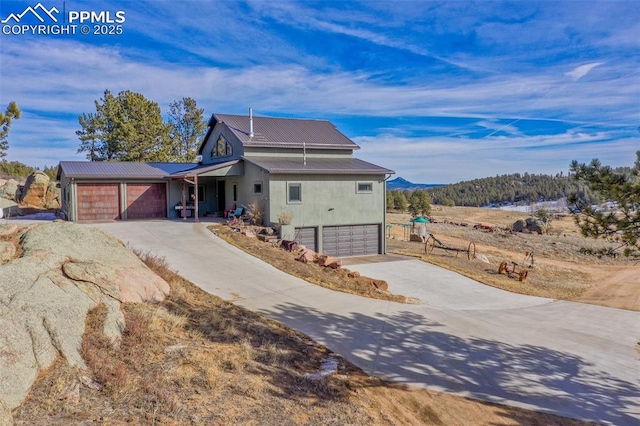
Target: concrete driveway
<point>465,338</point>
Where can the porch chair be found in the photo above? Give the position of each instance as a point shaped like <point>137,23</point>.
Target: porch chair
<point>237,213</point>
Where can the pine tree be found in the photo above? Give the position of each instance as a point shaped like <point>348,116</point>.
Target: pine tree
<point>622,223</point>
<point>12,112</point>
<point>187,129</point>
<point>127,127</point>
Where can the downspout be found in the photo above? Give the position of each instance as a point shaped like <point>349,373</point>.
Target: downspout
<point>384,216</point>
<point>195,196</point>
<point>184,199</point>
<point>73,208</point>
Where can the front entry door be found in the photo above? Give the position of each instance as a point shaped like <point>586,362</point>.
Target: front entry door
<point>221,196</point>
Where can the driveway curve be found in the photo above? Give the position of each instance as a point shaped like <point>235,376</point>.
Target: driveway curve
<point>465,338</point>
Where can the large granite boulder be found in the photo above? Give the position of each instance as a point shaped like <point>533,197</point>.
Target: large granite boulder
<point>536,225</point>
<point>530,225</point>
<point>35,189</point>
<point>519,225</point>
<point>64,270</point>
<point>10,190</point>
<point>8,208</point>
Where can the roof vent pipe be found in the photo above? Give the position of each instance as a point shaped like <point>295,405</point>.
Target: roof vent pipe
<point>250,122</point>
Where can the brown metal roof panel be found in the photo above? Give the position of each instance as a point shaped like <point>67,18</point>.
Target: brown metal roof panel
<point>345,166</point>
<point>115,170</point>
<point>204,168</point>
<point>270,131</point>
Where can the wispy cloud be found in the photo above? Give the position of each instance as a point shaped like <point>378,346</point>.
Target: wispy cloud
<point>579,72</point>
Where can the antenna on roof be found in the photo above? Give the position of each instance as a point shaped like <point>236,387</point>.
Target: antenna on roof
<point>250,122</point>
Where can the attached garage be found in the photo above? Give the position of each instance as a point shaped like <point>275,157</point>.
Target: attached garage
<point>306,237</point>
<point>98,201</point>
<point>146,200</point>
<point>351,240</point>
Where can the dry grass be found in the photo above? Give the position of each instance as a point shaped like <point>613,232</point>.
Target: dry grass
<point>334,279</point>
<point>562,269</point>
<point>196,359</point>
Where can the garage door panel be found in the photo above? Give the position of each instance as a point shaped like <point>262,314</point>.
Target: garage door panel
<point>98,201</point>
<point>351,240</point>
<point>306,237</point>
<point>146,200</point>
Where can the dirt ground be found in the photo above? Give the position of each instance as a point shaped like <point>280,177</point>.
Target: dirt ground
<point>564,266</point>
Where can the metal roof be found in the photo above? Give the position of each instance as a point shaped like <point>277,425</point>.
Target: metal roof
<point>285,132</point>
<point>204,168</point>
<point>119,170</point>
<point>336,166</point>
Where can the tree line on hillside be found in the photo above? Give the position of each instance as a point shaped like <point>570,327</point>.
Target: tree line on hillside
<point>130,127</point>
<point>416,202</point>
<point>510,189</point>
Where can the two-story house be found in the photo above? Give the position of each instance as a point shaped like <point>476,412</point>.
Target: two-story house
<point>296,168</point>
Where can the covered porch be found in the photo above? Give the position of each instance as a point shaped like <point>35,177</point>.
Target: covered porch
<point>204,191</point>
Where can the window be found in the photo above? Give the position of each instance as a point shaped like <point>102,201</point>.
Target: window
<point>235,192</point>
<point>201,194</point>
<point>257,187</point>
<point>364,187</point>
<point>222,148</point>
<point>295,193</point>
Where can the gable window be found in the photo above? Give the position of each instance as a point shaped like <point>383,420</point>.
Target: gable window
<point>364,187</point>
<point>222,148</point>
<point>257,187</point>
<point>294,191</point>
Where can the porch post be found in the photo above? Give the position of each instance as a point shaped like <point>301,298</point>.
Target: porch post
<point>184,199</point>
<point>195,193</point>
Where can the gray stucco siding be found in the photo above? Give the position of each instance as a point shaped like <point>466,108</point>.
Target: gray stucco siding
<point>221,129</point>
<point>328,200</point>
<point>246,193</point>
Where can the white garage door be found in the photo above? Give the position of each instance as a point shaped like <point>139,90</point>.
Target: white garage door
<point>351,240</point>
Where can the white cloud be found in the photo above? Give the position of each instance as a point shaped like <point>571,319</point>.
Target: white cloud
<point>449,160</point>
<point>578,72</point>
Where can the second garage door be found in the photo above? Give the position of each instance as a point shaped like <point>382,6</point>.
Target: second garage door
<point>146,200</point>
<point>306,237</point>
<point>351,240</point>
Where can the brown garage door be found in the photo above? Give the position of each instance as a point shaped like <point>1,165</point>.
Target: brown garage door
<point>98,201</point>
<point>146,200</point>
<point>351,240</point>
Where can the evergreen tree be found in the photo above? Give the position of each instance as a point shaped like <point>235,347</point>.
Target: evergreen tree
<point>419,203</point>
<point>391,200</point>
<point>127,127</point>
<point>622,187</point>
<point>400,201</point>
<point>188,127</point>
<point>12,112</point>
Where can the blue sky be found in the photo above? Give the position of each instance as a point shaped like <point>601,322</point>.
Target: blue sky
<point>438,91</point>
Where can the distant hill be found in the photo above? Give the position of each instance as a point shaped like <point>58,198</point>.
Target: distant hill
<point>401,184</point>
<point>509,189</point>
